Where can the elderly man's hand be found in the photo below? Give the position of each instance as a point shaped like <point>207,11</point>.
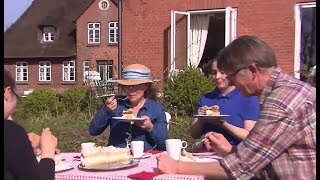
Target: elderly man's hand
<point>111,103</point>
<point>167,165</point>
<point>218,143</point>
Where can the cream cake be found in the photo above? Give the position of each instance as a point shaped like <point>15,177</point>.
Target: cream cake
<point>99,155</point>
<point>213,110</point>
<point>128,114</point>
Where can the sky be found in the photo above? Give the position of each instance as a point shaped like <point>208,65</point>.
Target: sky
<point>13,9</point>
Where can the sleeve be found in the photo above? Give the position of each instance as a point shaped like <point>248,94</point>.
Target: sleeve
<point>273,133</point>
<point>21,159</point>
<point>100,122</point>
<point>251,109</point>
<point>159,133</point>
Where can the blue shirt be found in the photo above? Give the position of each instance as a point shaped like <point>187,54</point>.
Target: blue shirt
<point>235,104</point>
<point>118,129</point>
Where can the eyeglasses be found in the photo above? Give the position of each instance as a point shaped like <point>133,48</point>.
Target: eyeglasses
<point>18,97</point>
<point>229,76</point>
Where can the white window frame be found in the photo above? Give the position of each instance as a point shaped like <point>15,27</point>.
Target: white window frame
<point>104,68</point>
<point>115,34</point>
<point>48,33</point>
<point>230,30</point>
<point>22,67</point>
<point>46,67</point>
<point>297,47</point>
<point>86,68</point>
<point>67,69</point>
<point>94,31</point>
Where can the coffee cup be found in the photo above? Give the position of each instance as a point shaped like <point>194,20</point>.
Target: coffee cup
<point>137,148</point>
<point>174,147</point>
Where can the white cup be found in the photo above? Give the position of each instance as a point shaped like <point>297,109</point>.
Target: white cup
<point>174,146</point>
<point>87,146</point>
<point>137,148</point>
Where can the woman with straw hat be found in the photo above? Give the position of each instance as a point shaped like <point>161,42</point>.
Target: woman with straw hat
<point>152,130</point>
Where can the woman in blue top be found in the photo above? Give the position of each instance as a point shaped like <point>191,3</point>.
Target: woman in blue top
<point>243,111</point>
<point>153,130</point>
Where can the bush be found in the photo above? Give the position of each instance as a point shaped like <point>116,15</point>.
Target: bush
<point>40,100</point>
<point>184,89</point>
<point>77,99</point>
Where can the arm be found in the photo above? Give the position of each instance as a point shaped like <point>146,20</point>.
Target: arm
<point>211,170</point>
<point>196,128</point>
<point>250,110</point>
<point>159,133</point>
<point>237,132</point>
<point>20,158</point>
<point>100,122</point>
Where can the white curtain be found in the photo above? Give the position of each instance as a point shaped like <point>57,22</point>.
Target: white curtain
<point>199,30</point>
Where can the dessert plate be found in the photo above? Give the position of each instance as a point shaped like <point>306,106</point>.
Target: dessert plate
<point>206,159</point>
<point>63,167</point>
<point>204,153</point>
<point>110,167</point>
<point>128,119</point>
<point>210,116</point>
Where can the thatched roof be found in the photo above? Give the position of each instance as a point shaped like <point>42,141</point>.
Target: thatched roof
<point>23,39</point>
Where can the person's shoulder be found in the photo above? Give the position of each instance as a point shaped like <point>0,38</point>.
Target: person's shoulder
<point>9,124</point>
<point>242,97</point>
<point>209,95</point>
<point>152,102</point>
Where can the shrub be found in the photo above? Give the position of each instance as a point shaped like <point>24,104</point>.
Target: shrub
<point>184,89</point>
<point>40,100</point>
<point>77,99</point>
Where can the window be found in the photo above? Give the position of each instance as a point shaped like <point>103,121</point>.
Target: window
<point>21,71</point>
<point>105,70</point>
<point>305,40</point>
<point>103,5</point>
<point>86,67</point>
<point>48,33</point>
<point>93,33</point>
<point>113,32</point>
<point>68,71</point>
<point>44,71</point>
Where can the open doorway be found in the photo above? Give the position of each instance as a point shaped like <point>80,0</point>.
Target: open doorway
<point>215,39</point>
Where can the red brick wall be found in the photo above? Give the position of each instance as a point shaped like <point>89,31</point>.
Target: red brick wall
<point>104,51</point>
<point>33,74</point>
<point>146,28</point>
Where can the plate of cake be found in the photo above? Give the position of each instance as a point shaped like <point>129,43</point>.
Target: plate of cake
<point>60,164</point>
<point>212,112</point>
<point>128,116</point>
<point>109,158</point>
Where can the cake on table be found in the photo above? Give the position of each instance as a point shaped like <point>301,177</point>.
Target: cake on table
<point>99,155</point>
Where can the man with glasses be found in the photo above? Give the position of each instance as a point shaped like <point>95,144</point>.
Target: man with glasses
<point>282,144</point>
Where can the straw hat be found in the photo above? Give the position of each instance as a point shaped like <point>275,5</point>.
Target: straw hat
<point>135,74</point>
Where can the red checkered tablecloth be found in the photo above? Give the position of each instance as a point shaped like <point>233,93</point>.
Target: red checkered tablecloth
<point>148,164</point>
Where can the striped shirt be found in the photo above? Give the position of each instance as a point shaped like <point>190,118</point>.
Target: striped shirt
<point>282,144</point>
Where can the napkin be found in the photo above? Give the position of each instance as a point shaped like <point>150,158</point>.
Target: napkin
<point>144,175</point>
<point>153,151</point>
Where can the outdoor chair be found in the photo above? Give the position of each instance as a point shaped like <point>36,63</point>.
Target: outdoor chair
<point>168,117</point>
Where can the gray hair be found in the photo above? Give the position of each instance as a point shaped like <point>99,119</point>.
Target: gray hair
<point>244,51</point>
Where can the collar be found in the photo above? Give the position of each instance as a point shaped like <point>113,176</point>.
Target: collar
<point>270,85</point>
<point>234,92</point>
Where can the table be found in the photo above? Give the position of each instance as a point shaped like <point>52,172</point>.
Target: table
<point>148,164</point>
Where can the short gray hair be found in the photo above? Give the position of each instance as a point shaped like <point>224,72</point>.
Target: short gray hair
<point>244,51</point>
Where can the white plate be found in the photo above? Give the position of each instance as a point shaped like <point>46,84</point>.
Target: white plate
<point>111,166</point>
<point>63,167</point>
<point>128,119</point>
<point>146,155</point>
<point>210,116</point>
<point>204,153</point>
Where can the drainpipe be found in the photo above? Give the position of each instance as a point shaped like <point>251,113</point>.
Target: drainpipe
<point>119,39</point>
